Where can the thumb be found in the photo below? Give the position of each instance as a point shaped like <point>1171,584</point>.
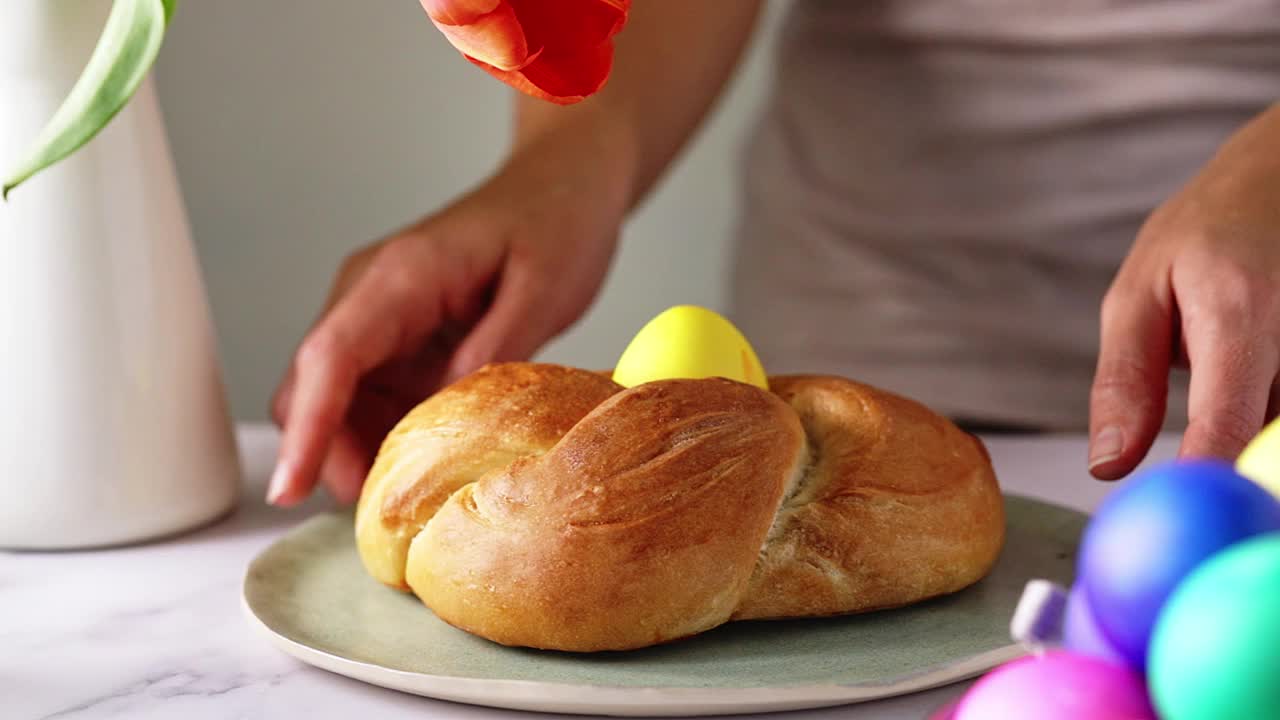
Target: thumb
<point>1131,384</point>
<point>512,328</point>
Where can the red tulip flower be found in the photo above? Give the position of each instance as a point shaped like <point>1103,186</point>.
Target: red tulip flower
<point>557,50</point>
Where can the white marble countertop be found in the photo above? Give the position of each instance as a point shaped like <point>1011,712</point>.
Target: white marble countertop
<point>155,631</point>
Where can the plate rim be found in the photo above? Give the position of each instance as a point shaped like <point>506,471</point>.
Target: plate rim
<point>626,700</point>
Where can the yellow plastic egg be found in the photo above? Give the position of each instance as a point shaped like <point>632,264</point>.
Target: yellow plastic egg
<point>1260,461</point>
<point>689,342</point>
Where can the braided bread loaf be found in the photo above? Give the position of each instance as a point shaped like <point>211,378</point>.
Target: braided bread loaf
<point>545,506</point>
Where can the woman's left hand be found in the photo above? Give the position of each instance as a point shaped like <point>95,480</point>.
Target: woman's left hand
<point>1200,288</point>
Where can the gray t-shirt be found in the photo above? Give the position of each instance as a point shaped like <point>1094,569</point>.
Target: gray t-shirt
<point>940,191</point>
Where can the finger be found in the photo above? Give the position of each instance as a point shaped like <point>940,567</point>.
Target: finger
<point>282,399</point>
<point>372,415</point>
<point>367,327</point>
<point>345,467</point>
<point>1273,404</point>
<point>351,270</point>
<point>328,370</point>
<point>1232,373</point>
<point>1180,357</point>
<point>1131,384</point>
<point>512,329</point>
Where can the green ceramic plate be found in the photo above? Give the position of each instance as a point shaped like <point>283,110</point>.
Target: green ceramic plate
<point>311,596</point>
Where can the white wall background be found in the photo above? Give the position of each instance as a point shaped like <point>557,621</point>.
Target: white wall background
<point>304,129</point>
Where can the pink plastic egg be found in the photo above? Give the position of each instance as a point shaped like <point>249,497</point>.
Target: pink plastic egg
<point>1058,685</point>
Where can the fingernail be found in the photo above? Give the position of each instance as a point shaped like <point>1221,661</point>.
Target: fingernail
<point>1106,446</point>
<point>279,482</point>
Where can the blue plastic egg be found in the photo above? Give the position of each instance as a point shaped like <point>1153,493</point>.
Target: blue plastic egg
<point>1148,535</point>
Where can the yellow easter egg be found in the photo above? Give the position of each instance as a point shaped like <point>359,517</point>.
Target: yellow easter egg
<point>1260,461</point>
<point>689,342</point>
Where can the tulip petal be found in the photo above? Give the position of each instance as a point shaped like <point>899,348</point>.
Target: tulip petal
<point>558,51</point>
<point>563,80</point>
<point>577,47</point>
<point>496,39</point>
<point>569,27</point>
<point>459,12</point>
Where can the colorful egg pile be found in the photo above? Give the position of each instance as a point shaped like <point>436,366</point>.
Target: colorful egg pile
<point>1177,599</point>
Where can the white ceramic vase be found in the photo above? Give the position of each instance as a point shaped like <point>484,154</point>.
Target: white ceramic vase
<point>113,419</point>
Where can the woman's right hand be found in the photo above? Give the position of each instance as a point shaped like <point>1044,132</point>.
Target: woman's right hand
<point>490,278</point>
<point>506,268</point>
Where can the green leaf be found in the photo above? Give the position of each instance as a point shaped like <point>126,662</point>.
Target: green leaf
<point>125,52</point>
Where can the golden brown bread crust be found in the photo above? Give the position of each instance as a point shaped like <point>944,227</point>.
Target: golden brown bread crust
<point>642,525</point>
<point>480,424</point>
<point>580,516</point>
<point>898,505</point>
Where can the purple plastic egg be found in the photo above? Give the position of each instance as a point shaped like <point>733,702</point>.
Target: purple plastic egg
<point>1058,685</point>
<point>1148,535</point>
<point>1080,631</point>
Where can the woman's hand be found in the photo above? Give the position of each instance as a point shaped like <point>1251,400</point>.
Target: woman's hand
<point>500,272</point>
<point>490,278</point>
<point>1201,287</point>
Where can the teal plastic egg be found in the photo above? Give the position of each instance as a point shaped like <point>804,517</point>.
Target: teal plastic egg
<point>1215,649</point>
